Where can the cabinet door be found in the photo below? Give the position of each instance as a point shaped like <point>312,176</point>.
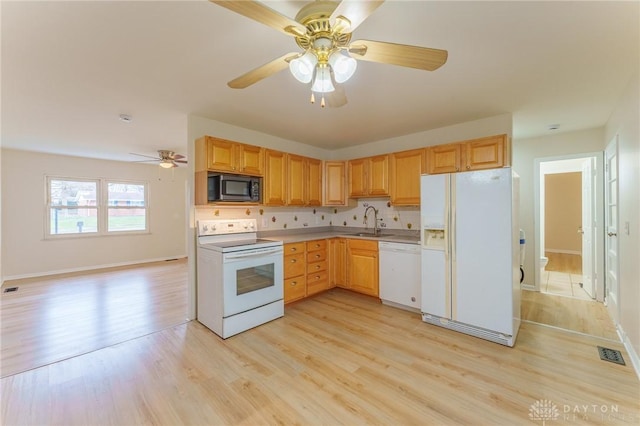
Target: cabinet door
<point>334,187</point>
<point>314,182</point>
<point>444,158</point>
<point>362,266</point>
<point>338,262</point>
<point>404,180</point>
<point>221,155</point>
<point>251,160</point>
<point>485,153</point>
<point>378,175</point>
<point>296,180</point>
<point>275,182</point>
<point>358,177</point>
<point>295,288</point>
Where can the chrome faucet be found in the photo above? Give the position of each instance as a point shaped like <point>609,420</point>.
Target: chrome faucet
<point>375,219</point>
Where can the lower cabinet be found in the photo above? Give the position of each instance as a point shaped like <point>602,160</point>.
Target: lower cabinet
<point>314,266</point>
<point>317,278</point>
<point>362,266</point>
<point>295,280</point>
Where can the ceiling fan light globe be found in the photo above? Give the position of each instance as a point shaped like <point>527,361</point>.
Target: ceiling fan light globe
<point>322,82</point>
<point>302,67</point>
<point>343,66</point>
<point>166,164</point>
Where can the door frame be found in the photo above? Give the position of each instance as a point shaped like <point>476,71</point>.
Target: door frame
<point>613,308</point>
<point>538,239</point>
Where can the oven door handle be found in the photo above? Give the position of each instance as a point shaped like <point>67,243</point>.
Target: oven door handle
<point>253,253</point>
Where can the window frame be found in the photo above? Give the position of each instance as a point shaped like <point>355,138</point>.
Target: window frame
<point>102,207</point>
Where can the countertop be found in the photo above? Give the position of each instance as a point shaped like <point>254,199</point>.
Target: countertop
<point>301,235</point>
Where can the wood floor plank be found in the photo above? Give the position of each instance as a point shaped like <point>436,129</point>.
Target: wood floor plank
<point>335,358</point>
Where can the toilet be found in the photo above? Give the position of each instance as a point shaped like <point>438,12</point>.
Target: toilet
<point>543,262</point>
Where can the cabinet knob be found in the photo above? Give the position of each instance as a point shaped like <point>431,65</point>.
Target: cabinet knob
<point>317,256</point>
<point>294,260</point>
<point>294,283</point>
<point>294,249</point>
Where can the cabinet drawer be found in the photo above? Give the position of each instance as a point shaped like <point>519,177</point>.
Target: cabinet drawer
<point>294,289</point>
<point>317,282</point>
<point>316,256</point>
<point>316,266</point>
<point>316,245</point>
<point>363,244</point>
<point>293,248</point>
<point>294,265</point>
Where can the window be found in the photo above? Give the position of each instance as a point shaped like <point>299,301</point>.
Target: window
<point>95,206</point>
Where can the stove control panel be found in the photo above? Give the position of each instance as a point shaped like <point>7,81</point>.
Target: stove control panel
<point>226,227</point>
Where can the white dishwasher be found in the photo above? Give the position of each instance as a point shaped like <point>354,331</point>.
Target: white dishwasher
<point>400,275</point>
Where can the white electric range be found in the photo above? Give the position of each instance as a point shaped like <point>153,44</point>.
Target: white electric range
<point>240,277</point>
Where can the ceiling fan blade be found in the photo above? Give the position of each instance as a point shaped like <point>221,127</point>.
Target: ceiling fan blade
<point>180,161</point>
<point>422,58</point>
<point>178,156</point>
<point>262,72</point>
<point>337,98</point>
<point>143,155</point>
<point>355,12</point>
<point>263,14</point>
<point>145,161</point>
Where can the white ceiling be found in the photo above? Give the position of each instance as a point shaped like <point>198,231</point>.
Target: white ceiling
<point>70,68</point>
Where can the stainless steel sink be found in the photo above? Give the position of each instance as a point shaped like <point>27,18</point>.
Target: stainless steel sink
<point>368,234</point>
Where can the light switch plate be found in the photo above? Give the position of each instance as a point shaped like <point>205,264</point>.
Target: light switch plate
<point>626,228</point>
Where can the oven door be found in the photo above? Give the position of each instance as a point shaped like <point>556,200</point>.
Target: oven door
<point>252,278</point>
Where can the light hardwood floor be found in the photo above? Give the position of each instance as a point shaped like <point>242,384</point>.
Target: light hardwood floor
<point>336,358</point>
<point>56,317</point>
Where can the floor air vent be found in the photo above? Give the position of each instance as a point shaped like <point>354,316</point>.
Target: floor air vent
<point>610,355</point>
<point>10,289</point>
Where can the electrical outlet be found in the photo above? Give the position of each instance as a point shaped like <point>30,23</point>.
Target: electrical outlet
<point>626,228</point>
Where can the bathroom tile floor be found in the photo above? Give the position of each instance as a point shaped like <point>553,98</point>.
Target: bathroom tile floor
<point>563,284</point>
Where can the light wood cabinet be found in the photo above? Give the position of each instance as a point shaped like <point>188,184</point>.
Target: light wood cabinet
<point>296,180</point>
<point>334,183</point>
<point>317,273</point>
<point>338,262</point>
<point>477,154</point>
<point>404,180</point>
<point>369,177</point>
<point>362,266</point>
<point>275,180</point>
<point>314,182</point>
<point>230,157</point>
<point>486,153</point>
<point>295,282</point>
<point>304,181</point>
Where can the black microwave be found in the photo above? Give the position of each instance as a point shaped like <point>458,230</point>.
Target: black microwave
<point>226,187</point>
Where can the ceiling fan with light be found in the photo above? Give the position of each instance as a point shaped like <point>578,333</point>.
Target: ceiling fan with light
<point>323,29</point>
<point>166,159</point>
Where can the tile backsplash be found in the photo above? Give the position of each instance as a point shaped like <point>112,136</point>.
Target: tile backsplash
<point>278,218</point>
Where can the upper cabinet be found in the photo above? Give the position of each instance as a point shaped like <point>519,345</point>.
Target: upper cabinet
<point>275,180</point>
<point>477,154</point>
<point>369,177</point>
<point>230,157</point>
<point>304,181</point>
<point>334,183</point>
<point>404,182</point>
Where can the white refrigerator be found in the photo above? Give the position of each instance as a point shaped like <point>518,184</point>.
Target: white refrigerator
<point>470,253</point>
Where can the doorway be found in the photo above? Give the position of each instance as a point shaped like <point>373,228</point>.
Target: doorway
<point>569,215</point>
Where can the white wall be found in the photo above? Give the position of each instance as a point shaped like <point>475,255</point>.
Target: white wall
<point>25,252</point>
<point>525,151</point>
<point>625,123</point>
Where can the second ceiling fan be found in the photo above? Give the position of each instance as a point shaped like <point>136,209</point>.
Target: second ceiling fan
<point>323,29</point>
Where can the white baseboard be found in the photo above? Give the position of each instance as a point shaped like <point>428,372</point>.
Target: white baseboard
<point>552,250</point>
<point>635,360</point>
<point>528,287</point>
<point>90,268</point>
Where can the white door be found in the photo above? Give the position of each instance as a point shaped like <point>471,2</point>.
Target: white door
<point>588,229</point>
<point>482,249</point>
<point>611,228</point>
